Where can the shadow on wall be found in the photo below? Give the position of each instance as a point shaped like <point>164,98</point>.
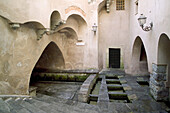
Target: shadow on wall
<point>51,59</point>
<point>139,58</point>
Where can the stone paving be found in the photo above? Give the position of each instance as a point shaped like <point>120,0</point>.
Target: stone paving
<point>61,97</point>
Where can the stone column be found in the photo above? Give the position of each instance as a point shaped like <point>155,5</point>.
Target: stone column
<point>157,83</point>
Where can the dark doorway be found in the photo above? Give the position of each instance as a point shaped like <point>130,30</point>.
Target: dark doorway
<point>114,58</point>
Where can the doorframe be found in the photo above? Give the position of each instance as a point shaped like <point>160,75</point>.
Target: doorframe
<point>121,57</point>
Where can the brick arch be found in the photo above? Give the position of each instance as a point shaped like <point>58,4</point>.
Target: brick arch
<point>74,10</point>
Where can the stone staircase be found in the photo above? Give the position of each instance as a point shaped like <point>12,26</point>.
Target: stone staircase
<point>45,104</point>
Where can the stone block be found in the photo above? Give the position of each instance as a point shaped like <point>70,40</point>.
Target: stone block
<point>158,76</point>
<point>157,83</point>
<point>159,96</point>
<point>159,68</point>
<point>132,97</point>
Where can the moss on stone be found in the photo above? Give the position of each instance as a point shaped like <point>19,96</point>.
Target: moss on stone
<point>63,77</point>
<point>71,78</point>
<point>81,78</point>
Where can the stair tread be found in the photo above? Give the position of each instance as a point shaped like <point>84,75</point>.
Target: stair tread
<point>4,107</point>
<point>117,93</point>
<point>115,85</point>
<point>54,105</point>
<point>117,80</point>
<point>77,105</point>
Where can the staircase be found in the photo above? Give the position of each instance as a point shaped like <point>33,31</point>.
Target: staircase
<point>45,104</point>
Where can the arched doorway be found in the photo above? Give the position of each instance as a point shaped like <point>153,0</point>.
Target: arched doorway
<point>51,59</point>
<point>139,58</point>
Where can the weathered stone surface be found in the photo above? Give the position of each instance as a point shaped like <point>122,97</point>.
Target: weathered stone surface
<point>157,83</point>
<point>159,68</point>
<point>86,88</point>
<point>159,76</point>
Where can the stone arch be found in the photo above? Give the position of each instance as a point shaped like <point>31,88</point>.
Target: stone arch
<point>77,23</point>
<point>139,58</point>
<point>164,53</point>
<point>101,5</point>
<point>50,59</point>
<point>55,20</point>
<point>69,32</point>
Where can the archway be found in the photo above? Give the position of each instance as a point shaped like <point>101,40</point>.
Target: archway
<point>55,20</point>
<point>51,59</point>
<point>161,71</point>
<point>77,23</point>
<point>164,54</point>
<point>139,58</point>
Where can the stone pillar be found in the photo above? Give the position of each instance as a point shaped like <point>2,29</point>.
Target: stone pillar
<point>157,83</point>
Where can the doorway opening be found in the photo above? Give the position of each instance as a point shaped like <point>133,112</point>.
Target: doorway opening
<point>114,57</point>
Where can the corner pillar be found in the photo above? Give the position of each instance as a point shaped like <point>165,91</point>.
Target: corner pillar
<point>157,83</point>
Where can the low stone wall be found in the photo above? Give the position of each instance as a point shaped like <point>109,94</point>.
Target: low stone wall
<point>157,82</point>
<point>60,77</point>
<point>86,88</point>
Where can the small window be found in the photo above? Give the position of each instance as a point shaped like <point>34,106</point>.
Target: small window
<point>120,4</point>
<point>136,3</point>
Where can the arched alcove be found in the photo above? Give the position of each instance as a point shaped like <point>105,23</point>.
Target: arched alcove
<point>164,53</point>
<point>51,59</point>
<point>77,23</point>
<point>55,20</point>
<point>139,58</point>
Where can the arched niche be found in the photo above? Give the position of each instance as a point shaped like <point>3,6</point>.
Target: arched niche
<point>51,59</point>
<point>164,54</point>
<point>139,63</point>
<point>69,32</point>
<point>55,20</point>
<point>77,23</point>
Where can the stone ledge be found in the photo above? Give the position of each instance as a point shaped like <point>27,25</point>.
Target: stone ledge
<point>86,88</point>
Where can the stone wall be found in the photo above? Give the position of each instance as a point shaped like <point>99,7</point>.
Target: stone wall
<point>158,77</point>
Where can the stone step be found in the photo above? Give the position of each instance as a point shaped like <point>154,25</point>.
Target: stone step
<point>4,107</point>
<point>31,107</point>
<point>112,81</point>
<point>16,107</point>
<point>114,87</point>
<point>117,95</point>
<point>44,106</point>
<point>21,104</point>
<point>52,106</point>
<point>75,104</point>
<point>93,97</point>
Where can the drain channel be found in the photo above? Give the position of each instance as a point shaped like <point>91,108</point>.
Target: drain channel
<point>93,97</point>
